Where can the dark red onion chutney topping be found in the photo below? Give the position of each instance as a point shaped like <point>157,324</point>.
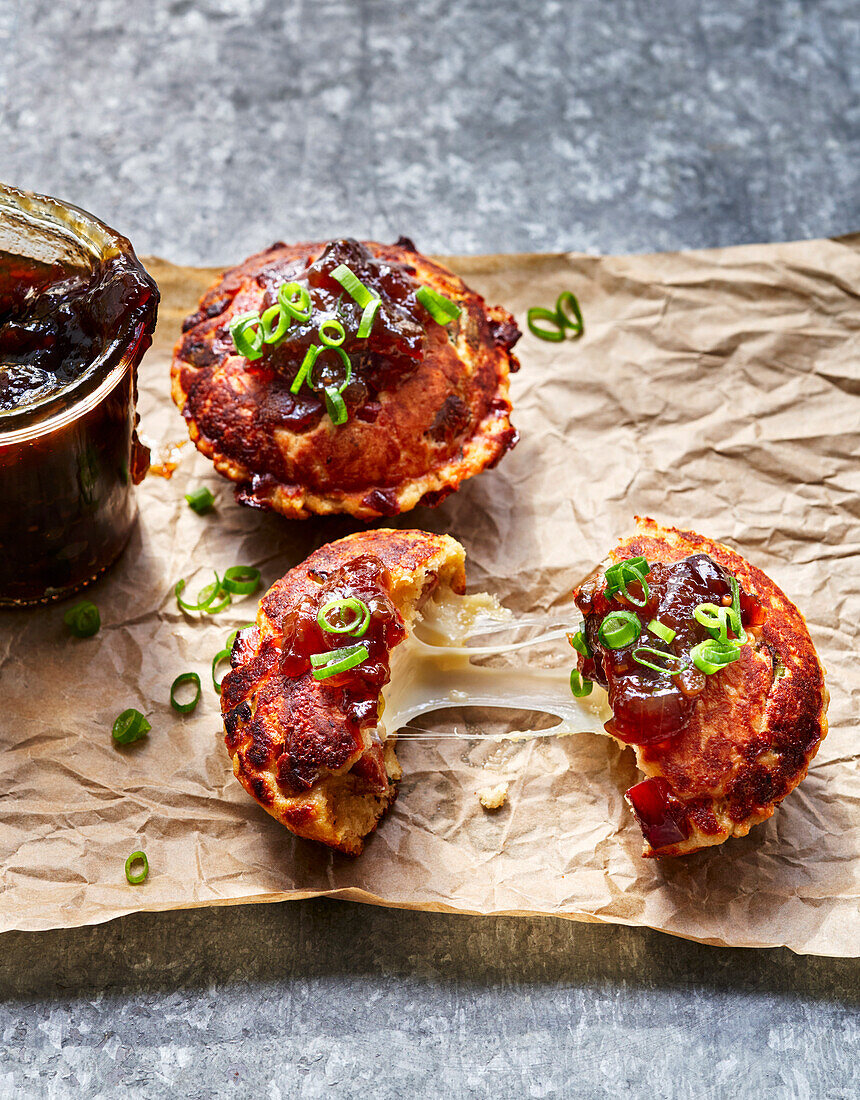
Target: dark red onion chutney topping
<point>649,706</point>
<point>357,690</point>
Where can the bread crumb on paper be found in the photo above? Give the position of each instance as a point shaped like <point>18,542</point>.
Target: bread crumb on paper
<point>493,798</point>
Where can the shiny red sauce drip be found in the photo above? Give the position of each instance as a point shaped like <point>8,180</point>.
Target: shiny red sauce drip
<point>396,342</point>
<point>358,688</point>
<point>649,706</point>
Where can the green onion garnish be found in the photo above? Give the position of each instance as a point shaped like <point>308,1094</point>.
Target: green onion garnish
<point>666,633</point>
<point>200,500</point>
<point>368,316</point>
<point>275,323</point>
<point>339,332</point>
<point>579,686</point>
<point>130,726</point>
<point>441,309</point>
<point>618,629</point>
<point>568,312</point>
<point>555,334</point>
<point>241,580</point>
<point>351,616</point>
<point>347,366</point>
<point>295,300</point>
<point>351,283</point>
<point>206,597</point>
<point>247,333</point>
<point>335,407</point>
<point>714,619</point>
<point>712,655</point>
<point>630,571</point>
<point>83,620</point>
<point>180,681</point>
<point>670,664</point>
<point>305,369</point>
<point>578,641</point>
<point>735,620</point>
<point>225,654</point>
<point>337,660</point>
<point>137,877</point>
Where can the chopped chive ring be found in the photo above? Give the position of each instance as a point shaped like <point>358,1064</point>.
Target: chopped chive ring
<point>368,316</point>
<point>623,573</point>
<point>347,366</point>
<point>200,500</point>
<point>712,655</point>
<point>83,620</point>
<point>665,633</point>
<point>180,681</point>
<point>351,283</point>
<point>305,369</point>
<point>246,331</point>
<point>275,323</point>
<point>579,686</point>
<point>735,620</point>
<point>334,325</point>
<point>714,619</point>
<point>619,629</point>
<point>441,309</point>
<point>241,580</point>
<point>578,641</point>
<point>295,300</point>
<point>568,312</point>
<point>206,597</point>
<point>668,663</point>
<point>555,334</point>
<point>348,616</point>
<point>335,407</point>
<point>338,660</point>
<point>220,657</point>
<point>130,726</point>
<point>139,876</point>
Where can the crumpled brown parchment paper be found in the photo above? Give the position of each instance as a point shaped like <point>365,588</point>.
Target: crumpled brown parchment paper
<point>716,390</point>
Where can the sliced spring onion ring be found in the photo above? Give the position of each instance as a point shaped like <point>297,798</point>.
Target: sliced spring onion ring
<point>241,580</point>
<point>735,621</point>
<point>368,316</point>
<point>351,283</point>
<point>554,334</point>
<point>578,641</point>
<point>579,685</point>
<point>219,658</point>
<point>295,300</point>
<point>671,664</point>
<point>180,681</point>
<point>441,309</point>
<point>347,366</point>
<point>275,323</point>
<point>137,877</point>
<point>83,620</point>
<point>568,312</point>
<point>630,571</point>
<point>712,655</point>
<point>335,407</point>
<point>338,329</point>
<point>247,333</point>
<point>352,616</point>
<point>714,619</point>
<point>338,660</point>
<point>665,633</point>
<point>619,629</point>
<point>129,726</point>
<point>305,369</point>
<point>200,500</point>
<point>206,597</point>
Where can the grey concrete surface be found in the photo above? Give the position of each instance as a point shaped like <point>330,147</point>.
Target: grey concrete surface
<point>204,130</point>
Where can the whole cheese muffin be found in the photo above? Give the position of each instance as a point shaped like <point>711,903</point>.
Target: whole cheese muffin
<point>712,678</point>
<point>345,377</point>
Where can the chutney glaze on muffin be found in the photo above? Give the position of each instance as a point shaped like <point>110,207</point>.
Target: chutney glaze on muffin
<point>425,400</point>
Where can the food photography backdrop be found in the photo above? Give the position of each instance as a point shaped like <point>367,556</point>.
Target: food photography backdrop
<point>651,161</point>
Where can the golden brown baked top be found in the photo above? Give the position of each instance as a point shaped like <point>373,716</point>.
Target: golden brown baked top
<point>427,402</point>
<point>308,750</point>
<point>752,730</point>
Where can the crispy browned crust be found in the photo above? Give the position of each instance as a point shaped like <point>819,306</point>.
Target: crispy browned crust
<point>445,422</point>
<point>753,733</point>
<point>290,744</point>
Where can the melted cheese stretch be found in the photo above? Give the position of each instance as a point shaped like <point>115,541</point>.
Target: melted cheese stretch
<point>432,669</point>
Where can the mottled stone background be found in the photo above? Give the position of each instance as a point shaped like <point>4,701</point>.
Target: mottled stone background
<point>204,130</point>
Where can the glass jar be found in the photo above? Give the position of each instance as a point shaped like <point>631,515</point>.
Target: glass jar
<point>77,311</point>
